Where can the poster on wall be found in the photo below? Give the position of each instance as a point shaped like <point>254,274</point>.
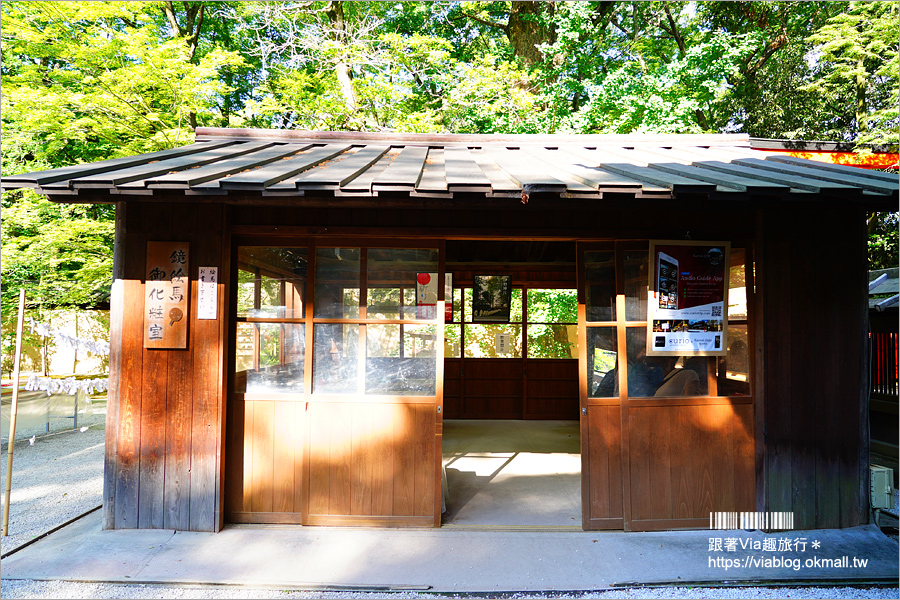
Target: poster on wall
<point>688,298</point>
<point>491,298</point>
<point>426,295</point>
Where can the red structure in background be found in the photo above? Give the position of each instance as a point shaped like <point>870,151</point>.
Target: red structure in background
<point>885,366</point>
<point>880,157</point>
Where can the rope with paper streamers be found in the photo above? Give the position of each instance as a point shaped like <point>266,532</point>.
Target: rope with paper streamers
<point>68,340</point>
<point>69,386</point>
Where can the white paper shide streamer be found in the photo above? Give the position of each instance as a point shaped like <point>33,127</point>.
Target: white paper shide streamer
<point>69,341</point>
<point>68,386</point>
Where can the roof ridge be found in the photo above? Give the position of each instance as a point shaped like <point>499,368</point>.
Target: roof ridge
<point>217,133</point>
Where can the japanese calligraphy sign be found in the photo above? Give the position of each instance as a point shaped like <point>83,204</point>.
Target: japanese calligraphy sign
<point>166,295</point>
<point>207,294</point>
<point>687,298</point>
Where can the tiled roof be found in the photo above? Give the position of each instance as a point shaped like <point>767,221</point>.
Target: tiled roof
<point>229,164</point>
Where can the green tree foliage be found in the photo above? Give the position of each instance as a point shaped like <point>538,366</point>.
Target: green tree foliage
<point>85,81</point>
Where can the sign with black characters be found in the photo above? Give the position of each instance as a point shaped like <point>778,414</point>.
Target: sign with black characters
<point>166,295</point>
<point>688,298</point>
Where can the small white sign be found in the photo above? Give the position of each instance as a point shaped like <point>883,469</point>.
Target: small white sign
<point>207,293</point>
<point>502,343</point>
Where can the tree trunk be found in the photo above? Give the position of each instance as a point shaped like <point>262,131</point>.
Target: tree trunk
<point>335,13</point>
<point>862,121</point>
<point>526,32</point>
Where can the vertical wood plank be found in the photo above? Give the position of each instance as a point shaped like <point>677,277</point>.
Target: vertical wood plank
<point>404,466</point>
<point>283,435</point>
<point>660,470</point>
<point>383,468</point>
<point>234,494</point>
<point>363,458</point>
<point>128,430</point>
<point>319,445</point>
<point>827,390</point>
<point>744,458</point>
<point>601,486</point>
<point>178,414</point>
<point>424,459</point>
<point>682,476</point>
<point>258,440</point>
<point>613,442</point>
<point>151,500</point>
<point>805,306</point>
<point>247,443</point>
<point>301,460</point>
<point>208,354</point>
<point>116,330</point>
<point>639,432</point>
<point>178,442</point>
<point>709,441</point>
<point>853,408</point>
<point>777,271</point>
<point>340,459</point>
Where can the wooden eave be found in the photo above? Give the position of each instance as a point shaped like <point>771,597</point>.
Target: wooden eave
<point>247,166</point>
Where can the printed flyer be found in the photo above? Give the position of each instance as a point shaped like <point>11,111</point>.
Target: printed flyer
<point>688,298</point>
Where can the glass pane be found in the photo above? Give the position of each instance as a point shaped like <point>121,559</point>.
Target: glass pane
<point>737,285</point>
<point>493,341</point>
<point>335,363</point>
<point>602,355</point>
<point>337,283</point>
<point>515,306</point>
<point>269,358</point>
<point>636,284</point>
<point>600,285</point>
<point>271,282</point>
<point>452,334</point>
<point>663,375</point>
<point>552,340</point>
<point>552,306</point>
<point>400,270</point>
<point>410,309</point>
<point>401,359</point>
<point>383,303</point>
<point>457,305</point>
<point>734,369</point>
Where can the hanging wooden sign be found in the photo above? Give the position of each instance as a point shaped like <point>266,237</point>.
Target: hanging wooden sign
<point>166,295</point>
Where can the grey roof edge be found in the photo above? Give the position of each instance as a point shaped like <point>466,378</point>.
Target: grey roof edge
<point>219,133</point>
<point>818,145</point>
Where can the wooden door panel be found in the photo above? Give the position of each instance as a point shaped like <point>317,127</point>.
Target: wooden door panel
<point>372,463</point>
<point>265,461</point>
<point>602,468</point>
<point>688,461</point>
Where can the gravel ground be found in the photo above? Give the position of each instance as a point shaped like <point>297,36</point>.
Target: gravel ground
<point>60,477</point>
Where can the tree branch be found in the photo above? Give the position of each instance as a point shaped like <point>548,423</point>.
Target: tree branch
<point>477,19</point>
<point>674,30</point>
<point>169,9</point>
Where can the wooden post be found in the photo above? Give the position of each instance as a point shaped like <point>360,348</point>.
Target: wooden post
<point>13,409</point>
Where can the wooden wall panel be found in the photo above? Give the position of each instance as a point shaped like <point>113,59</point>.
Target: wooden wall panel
<point>605,460</point>
<point>492,389</point>
<point>551,391</point>
<point>167,417</point>
<point>686,461</point>
<point>814,367</point>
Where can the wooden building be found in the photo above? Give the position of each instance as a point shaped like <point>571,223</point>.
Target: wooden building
<point>297,362</point>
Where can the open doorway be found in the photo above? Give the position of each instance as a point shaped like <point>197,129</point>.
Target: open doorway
<point>511,443</point>
<point>512,473</point>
